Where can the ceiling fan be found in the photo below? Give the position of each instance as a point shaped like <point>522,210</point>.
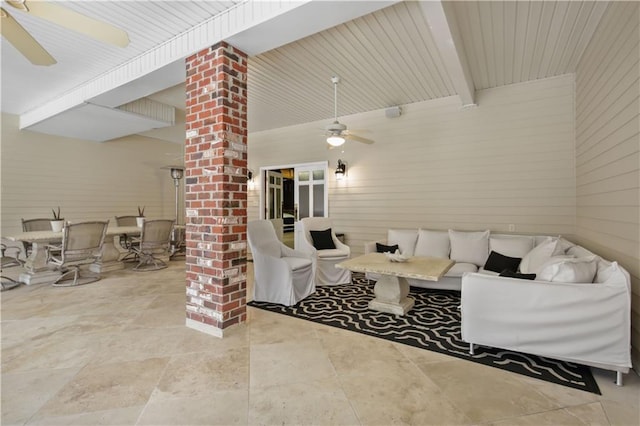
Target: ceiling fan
<point>337,132</point>
<point>60,15</point>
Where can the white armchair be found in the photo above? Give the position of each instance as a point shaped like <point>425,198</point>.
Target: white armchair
<point>281,275</point>
<point>327,258</point>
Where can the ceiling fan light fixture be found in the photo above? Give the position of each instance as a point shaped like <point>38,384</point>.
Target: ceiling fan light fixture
<point>335,140</point>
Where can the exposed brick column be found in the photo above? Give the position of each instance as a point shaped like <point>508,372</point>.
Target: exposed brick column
<point>216,188</point>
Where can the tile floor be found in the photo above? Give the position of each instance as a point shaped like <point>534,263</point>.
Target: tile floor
<point>117,352</point>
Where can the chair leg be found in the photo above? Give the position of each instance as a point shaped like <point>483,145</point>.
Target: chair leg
<point>78,279</point>
<point>149,263</point>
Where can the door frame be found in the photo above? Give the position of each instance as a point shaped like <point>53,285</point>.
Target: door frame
<point>264,169</point>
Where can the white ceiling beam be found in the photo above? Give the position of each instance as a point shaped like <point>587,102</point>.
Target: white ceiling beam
<point>444,28</point>
<point>251,26</point>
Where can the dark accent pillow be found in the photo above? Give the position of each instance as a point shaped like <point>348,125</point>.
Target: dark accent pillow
<point>499,262</point>
<point>322,240</point>
<point>381,248</point>
<point>511,274</point>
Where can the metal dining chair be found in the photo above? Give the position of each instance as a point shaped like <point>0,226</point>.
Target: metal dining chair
<point>154,245</point>
<point>125,240</point>
<point>9,261</point>
<point>81,246</point>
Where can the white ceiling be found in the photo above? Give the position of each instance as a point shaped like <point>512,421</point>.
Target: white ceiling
<point>392,56</point>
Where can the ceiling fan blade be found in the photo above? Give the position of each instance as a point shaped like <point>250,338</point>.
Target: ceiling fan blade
<point>23,42</point>
<point>353,137</point>
<point>75,21</point>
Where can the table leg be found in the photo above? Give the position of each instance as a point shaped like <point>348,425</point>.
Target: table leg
<point>38,271</point>
<point>112,252</point>
<point>391,295</point>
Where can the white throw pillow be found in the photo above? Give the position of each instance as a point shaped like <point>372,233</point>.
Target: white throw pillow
<point>469,247</point>
<point>605,271</point>
<point>511,246</point>
<point>570,270</point>
<point>404,238</point>
<point>433,243</point>
<point>540,254</point>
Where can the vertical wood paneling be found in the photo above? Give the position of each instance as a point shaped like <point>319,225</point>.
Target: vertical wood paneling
<point>88,180</point>
<point>608,146</point>
<point>509,161</point>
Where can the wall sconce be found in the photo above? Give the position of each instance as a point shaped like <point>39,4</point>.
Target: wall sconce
<point>341,170</point>
<point>250,182</point>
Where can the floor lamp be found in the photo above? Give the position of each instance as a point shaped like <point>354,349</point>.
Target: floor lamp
<point>177,240</point>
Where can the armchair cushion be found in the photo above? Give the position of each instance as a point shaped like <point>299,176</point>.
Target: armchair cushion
<point>322,240</point>
<point>332,254</point>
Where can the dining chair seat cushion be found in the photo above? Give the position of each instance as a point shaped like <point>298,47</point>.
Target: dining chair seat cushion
<point>332,254</point>
<point>297,263</point>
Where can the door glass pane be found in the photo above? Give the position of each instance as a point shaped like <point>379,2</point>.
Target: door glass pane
<point>303,176</point>
<point>278,213</point>
<point>318,200</point>
<point>318,174</point>
<point>271,203</point>
<point>303,197</point>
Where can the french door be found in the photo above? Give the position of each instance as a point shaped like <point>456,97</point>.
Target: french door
<point>310,192</point>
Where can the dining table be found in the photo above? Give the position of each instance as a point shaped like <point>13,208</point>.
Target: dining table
<point>37,269</point>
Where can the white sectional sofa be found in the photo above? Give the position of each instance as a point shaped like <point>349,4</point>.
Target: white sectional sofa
<point>577,309</point>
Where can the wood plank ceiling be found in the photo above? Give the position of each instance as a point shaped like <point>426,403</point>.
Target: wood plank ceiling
<point>385,58</point>
<point>389,57</point>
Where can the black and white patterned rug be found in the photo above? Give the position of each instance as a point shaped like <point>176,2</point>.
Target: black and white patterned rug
<point>432,324</point>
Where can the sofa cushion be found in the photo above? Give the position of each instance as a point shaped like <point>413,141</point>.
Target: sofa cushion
<point>404,238</point>
<point>432,244</point>
<point>569,270</point>
<point>540,254</point>
<point>515,246</point>
<point>460,269</point>
<point>322,240</point>
<point>469,247</point>
<point>382,248</point>
<point>609,273</point>
<point>498,262</point>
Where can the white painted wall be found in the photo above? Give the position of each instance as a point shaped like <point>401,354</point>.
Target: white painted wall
<point>88,180</point>
<point>509,161</point>
<point>608,146</point>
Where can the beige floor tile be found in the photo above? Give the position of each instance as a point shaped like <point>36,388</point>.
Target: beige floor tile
<point>561,395</point>
<point>399,394</point>
<point>99,387</point>
<point>318,402</point>
<point>56,351</point>
<point>23,394</point>
<point>296,361</point>
<point>198,375</point>
<point>591,414</point>
<point>268,327</point>
<point>485,393</point>
<point>220,408</point>
<point>115,417</point>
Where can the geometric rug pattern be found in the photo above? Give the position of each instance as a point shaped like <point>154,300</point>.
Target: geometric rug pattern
<point>432,324</point>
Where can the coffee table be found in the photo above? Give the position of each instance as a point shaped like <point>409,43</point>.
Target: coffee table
<point>392,289</point>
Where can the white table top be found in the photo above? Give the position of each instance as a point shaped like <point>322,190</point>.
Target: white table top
<point>423,268</point>
<point>44,236</point>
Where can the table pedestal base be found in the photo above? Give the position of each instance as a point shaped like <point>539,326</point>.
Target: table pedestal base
<point>39,277</point>
<point>112,252</point>
<point>391,295</point>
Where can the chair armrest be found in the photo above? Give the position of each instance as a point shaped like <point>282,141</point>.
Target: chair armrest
<point>307,247</point>
<point>340,245</point>
<point>287,251</point>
